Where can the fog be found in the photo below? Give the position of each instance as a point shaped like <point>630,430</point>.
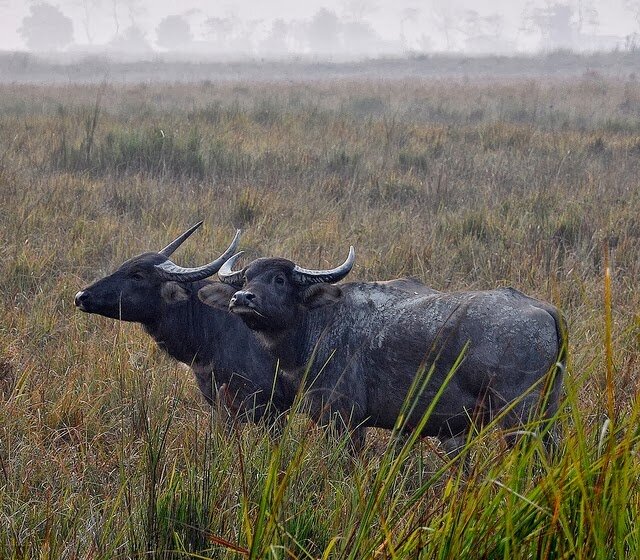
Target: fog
<point>325,29</point>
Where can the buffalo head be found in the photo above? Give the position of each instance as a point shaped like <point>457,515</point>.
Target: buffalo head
<point>269,293</point>
<point>144,283</point>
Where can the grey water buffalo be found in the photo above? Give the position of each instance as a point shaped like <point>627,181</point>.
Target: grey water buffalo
<point>359,347</point>
<point>222,352</point>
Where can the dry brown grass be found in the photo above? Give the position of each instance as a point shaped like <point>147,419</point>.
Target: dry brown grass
<point>106,447</point>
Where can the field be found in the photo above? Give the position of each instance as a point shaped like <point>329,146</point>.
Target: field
<point>107,449</point>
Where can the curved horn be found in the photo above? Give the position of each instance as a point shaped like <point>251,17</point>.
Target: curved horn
<point>228,275</point>
<point>302,276</point>
<point>170,271</point>
<point>166,252</point>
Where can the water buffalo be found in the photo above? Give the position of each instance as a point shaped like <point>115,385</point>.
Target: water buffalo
<point>360,345</point>
<point>222,352</point>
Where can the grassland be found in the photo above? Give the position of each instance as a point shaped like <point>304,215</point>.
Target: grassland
<point>123,68</point>
<point>106,448</point>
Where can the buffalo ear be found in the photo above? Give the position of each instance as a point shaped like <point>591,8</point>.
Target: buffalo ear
<point>217,295</point>
<point>321,294</point>
<point>172,292</point>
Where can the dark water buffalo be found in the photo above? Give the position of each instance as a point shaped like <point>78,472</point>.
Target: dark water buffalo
<point>222,352</point>
<point>360,346</point>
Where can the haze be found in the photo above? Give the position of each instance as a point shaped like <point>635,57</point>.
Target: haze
<point>333,29</point>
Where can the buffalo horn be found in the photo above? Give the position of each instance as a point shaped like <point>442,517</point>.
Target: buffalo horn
<point>228,275</point>
<point>170,271</point>
<point>166,252</point>
<point>302,276</point>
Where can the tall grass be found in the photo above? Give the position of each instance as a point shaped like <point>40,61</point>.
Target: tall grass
<point>106,448</point>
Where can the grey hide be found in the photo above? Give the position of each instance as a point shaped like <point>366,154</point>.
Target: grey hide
<point>367,341</point>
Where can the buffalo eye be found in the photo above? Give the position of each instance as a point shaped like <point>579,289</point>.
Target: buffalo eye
<point>137,275</point>
<point>279,280</point>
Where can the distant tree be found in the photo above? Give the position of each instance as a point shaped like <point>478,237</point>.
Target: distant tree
<point>324,32</point>
<point>485,33</point>
<point>298,35</point>
<point>425,43</point>
<point>477,24</point>
<point>275,43</point>
<point>555,24</point>
<point>88,8</point>
<point>588,16</point>
<point>114,15</point>
<point>360,38</point>
<point>46,28</point>
<point>634,7</point>
<point>135,9</point>
<point>408,15</point>
<point>221,31</point>
<point>244,37</point>
<point>357,10</point>
<point>445,16</point>
<point>131,40</point>
<point>174,32</point>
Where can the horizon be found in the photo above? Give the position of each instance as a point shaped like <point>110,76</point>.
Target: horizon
<point>328,29</point>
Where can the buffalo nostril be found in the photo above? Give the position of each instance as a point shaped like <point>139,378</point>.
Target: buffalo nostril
<point>80,298</point>
<point>242,298</point>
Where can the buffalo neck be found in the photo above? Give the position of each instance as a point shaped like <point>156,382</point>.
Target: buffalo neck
<point>215,341</point>
<point>196,334</point>
<point>294,347</point>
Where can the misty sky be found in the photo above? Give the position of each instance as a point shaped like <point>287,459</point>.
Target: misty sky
<point>417,22</point>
